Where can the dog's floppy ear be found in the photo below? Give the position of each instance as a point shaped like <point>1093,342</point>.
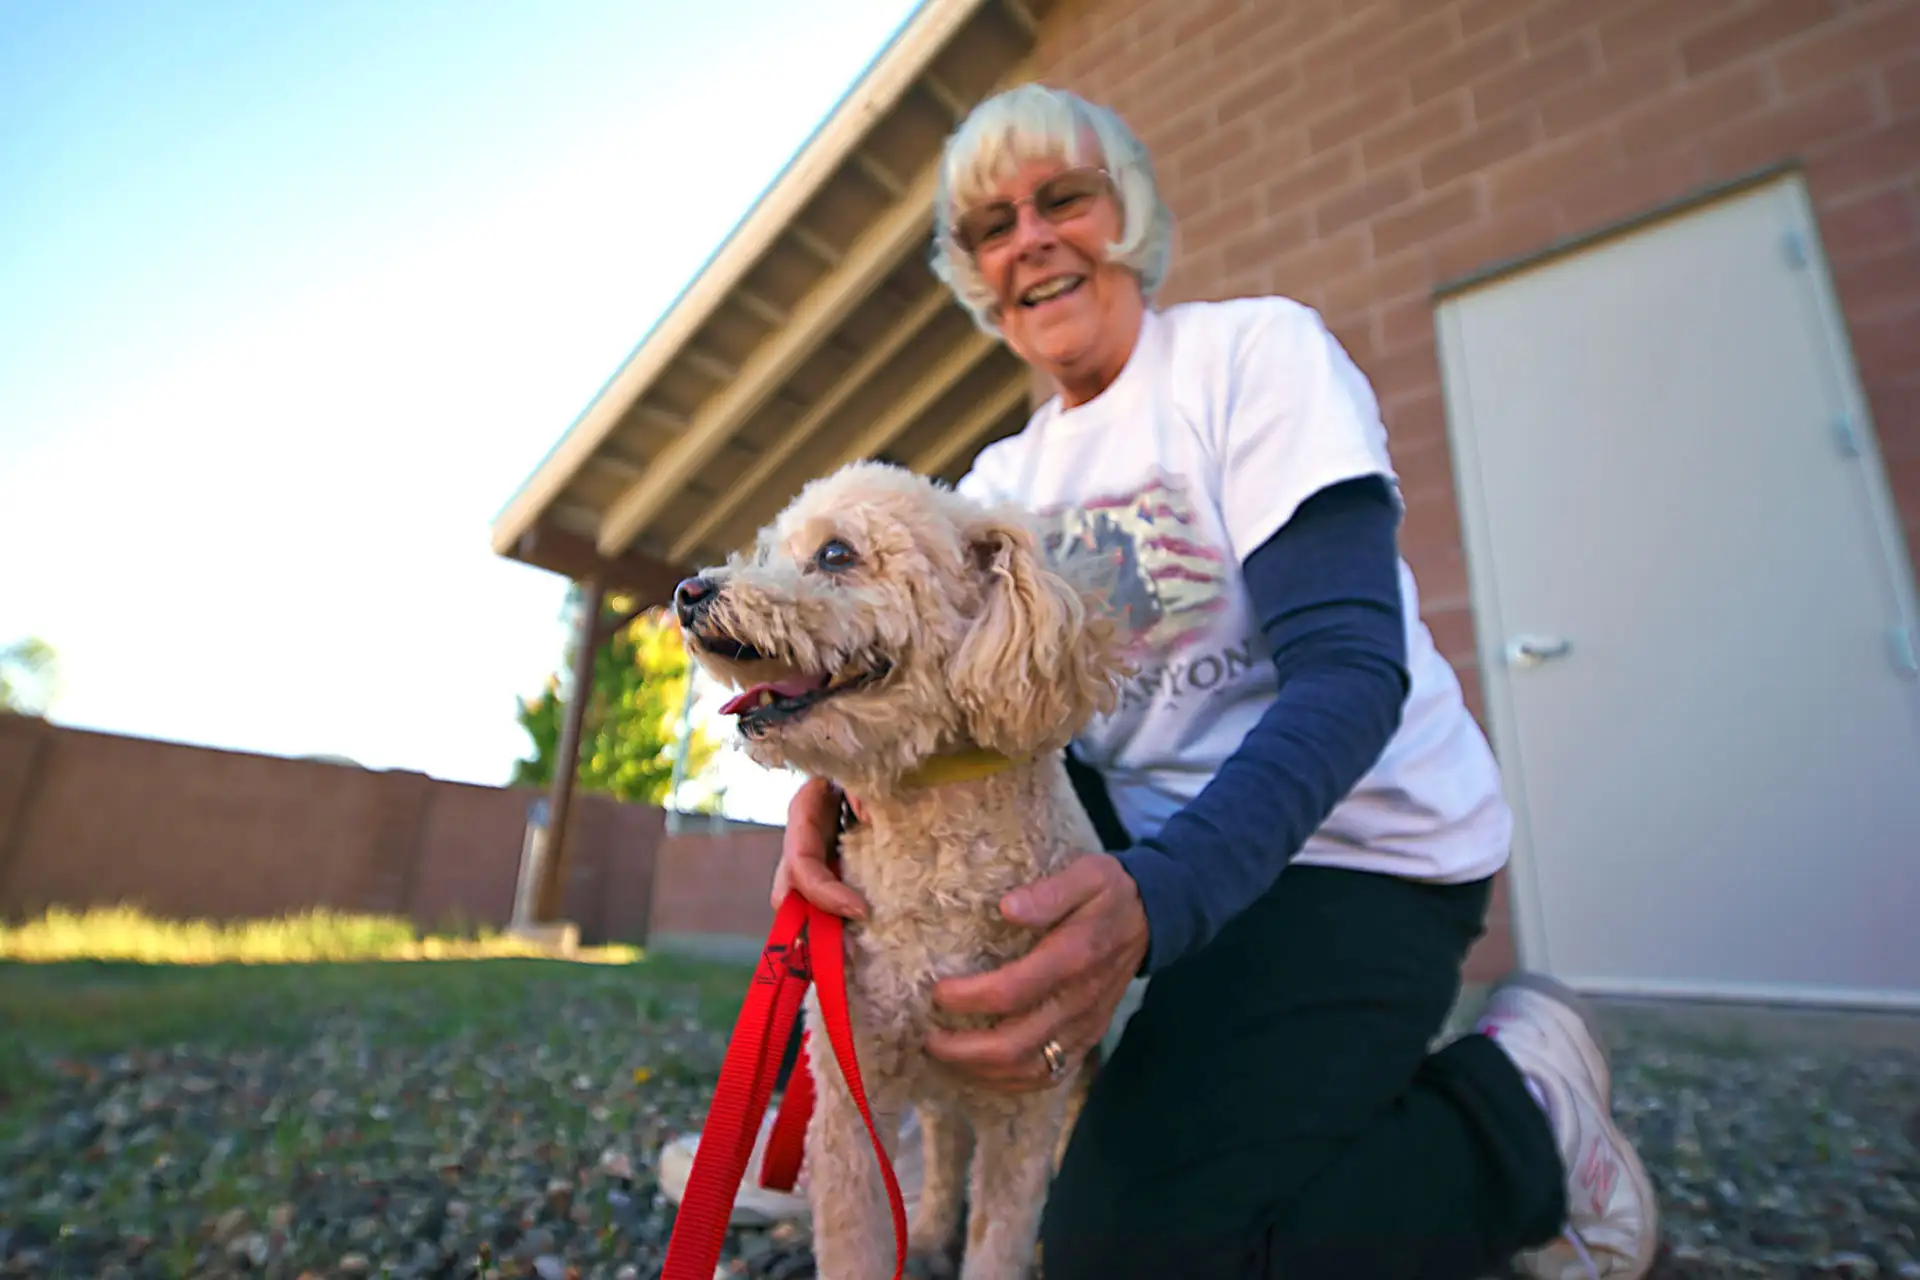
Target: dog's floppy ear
<point>1036,662</point>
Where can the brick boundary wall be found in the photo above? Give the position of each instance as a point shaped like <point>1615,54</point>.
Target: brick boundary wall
<point>94,819</point>
<point>711,892</point>
<point>1357,154</point>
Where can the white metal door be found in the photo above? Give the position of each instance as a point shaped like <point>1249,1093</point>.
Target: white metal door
<point>1695,614</point>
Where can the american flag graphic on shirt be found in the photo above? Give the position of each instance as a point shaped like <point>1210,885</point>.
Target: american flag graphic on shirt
<point>1146,551</point>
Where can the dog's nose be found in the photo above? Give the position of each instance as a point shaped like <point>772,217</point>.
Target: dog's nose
<point>690,597</point>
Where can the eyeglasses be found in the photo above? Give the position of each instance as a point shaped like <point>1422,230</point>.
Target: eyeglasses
<point>1064,196</point>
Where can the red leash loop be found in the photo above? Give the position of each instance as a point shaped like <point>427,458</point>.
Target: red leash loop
<point>805,945</point>
<point>787,1144</point>
<point>831,973</point>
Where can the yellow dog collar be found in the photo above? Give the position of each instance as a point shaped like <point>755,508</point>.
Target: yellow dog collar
<point>963,765</point>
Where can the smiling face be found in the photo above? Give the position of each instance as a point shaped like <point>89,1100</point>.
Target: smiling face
<point>882,619</point>
<point>1060,302</point>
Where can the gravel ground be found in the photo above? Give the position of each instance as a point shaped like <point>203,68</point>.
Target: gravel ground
<point>506,1130</point>
<point>1781,1145</point>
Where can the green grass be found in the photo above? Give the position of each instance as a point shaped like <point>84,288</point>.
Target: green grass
<point>75,988</point>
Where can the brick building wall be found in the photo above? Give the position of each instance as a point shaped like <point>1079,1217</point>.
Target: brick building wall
<point>1355,154</point>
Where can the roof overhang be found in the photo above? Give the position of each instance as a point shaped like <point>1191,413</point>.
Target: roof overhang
<point>816,335</point>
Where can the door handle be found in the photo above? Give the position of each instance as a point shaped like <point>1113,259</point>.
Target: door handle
<point>1531,651</point>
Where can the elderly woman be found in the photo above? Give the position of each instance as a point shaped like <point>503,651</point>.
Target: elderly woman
<point>1303,819</point>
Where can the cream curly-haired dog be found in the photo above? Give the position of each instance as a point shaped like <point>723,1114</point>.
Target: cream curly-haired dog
<point>883,627</point>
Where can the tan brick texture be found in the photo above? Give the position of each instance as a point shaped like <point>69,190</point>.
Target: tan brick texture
<point>1356,153</point>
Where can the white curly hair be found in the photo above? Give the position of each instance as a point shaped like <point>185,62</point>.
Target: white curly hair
<point>1038,122</point>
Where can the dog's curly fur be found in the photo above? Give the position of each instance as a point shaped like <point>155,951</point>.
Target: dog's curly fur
<point>883,620</point>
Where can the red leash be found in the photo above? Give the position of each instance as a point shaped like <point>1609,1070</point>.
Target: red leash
<point>805,945</point>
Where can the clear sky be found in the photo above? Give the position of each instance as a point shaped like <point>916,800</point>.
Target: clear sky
<point>294,295</point>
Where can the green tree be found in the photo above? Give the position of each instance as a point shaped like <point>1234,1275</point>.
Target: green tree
<point>29,677</point>
<point>633,713</point>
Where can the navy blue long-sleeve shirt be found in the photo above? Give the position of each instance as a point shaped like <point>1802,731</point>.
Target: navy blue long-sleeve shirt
<point>1325,590</point>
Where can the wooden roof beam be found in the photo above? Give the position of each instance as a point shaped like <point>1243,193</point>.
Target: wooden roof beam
<point>953,103</point>
<point>575,557</point>
<point>711,366</point>
<point>624,469</point>
<point>968,429</point>
<point>759,307</point>
<point>880,175</point>
<point>872,256</point>
<point>906,411</point>
<point>815,245</point>
<point>871,361</point>
<point>665,419</point>
<point>978,421</point>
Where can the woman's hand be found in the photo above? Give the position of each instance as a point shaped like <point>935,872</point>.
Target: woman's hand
<point>1064,990</point>
<point>813,822</point>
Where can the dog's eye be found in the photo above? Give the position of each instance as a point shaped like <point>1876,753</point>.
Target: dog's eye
<point>835,556</point>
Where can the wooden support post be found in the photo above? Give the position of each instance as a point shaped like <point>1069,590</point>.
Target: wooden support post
<point>551,898</point>
<point>682,745</point>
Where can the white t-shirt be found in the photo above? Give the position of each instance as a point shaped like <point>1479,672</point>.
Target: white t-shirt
<point>1226,418</point>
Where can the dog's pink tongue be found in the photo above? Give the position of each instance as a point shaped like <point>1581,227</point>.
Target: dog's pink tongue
<point>747,701</point>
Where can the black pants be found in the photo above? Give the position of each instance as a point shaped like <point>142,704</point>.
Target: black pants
<point>1272,1109</point>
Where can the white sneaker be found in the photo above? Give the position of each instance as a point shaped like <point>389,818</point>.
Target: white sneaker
<point>758,1206</point>
<point>1613,1216</point>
